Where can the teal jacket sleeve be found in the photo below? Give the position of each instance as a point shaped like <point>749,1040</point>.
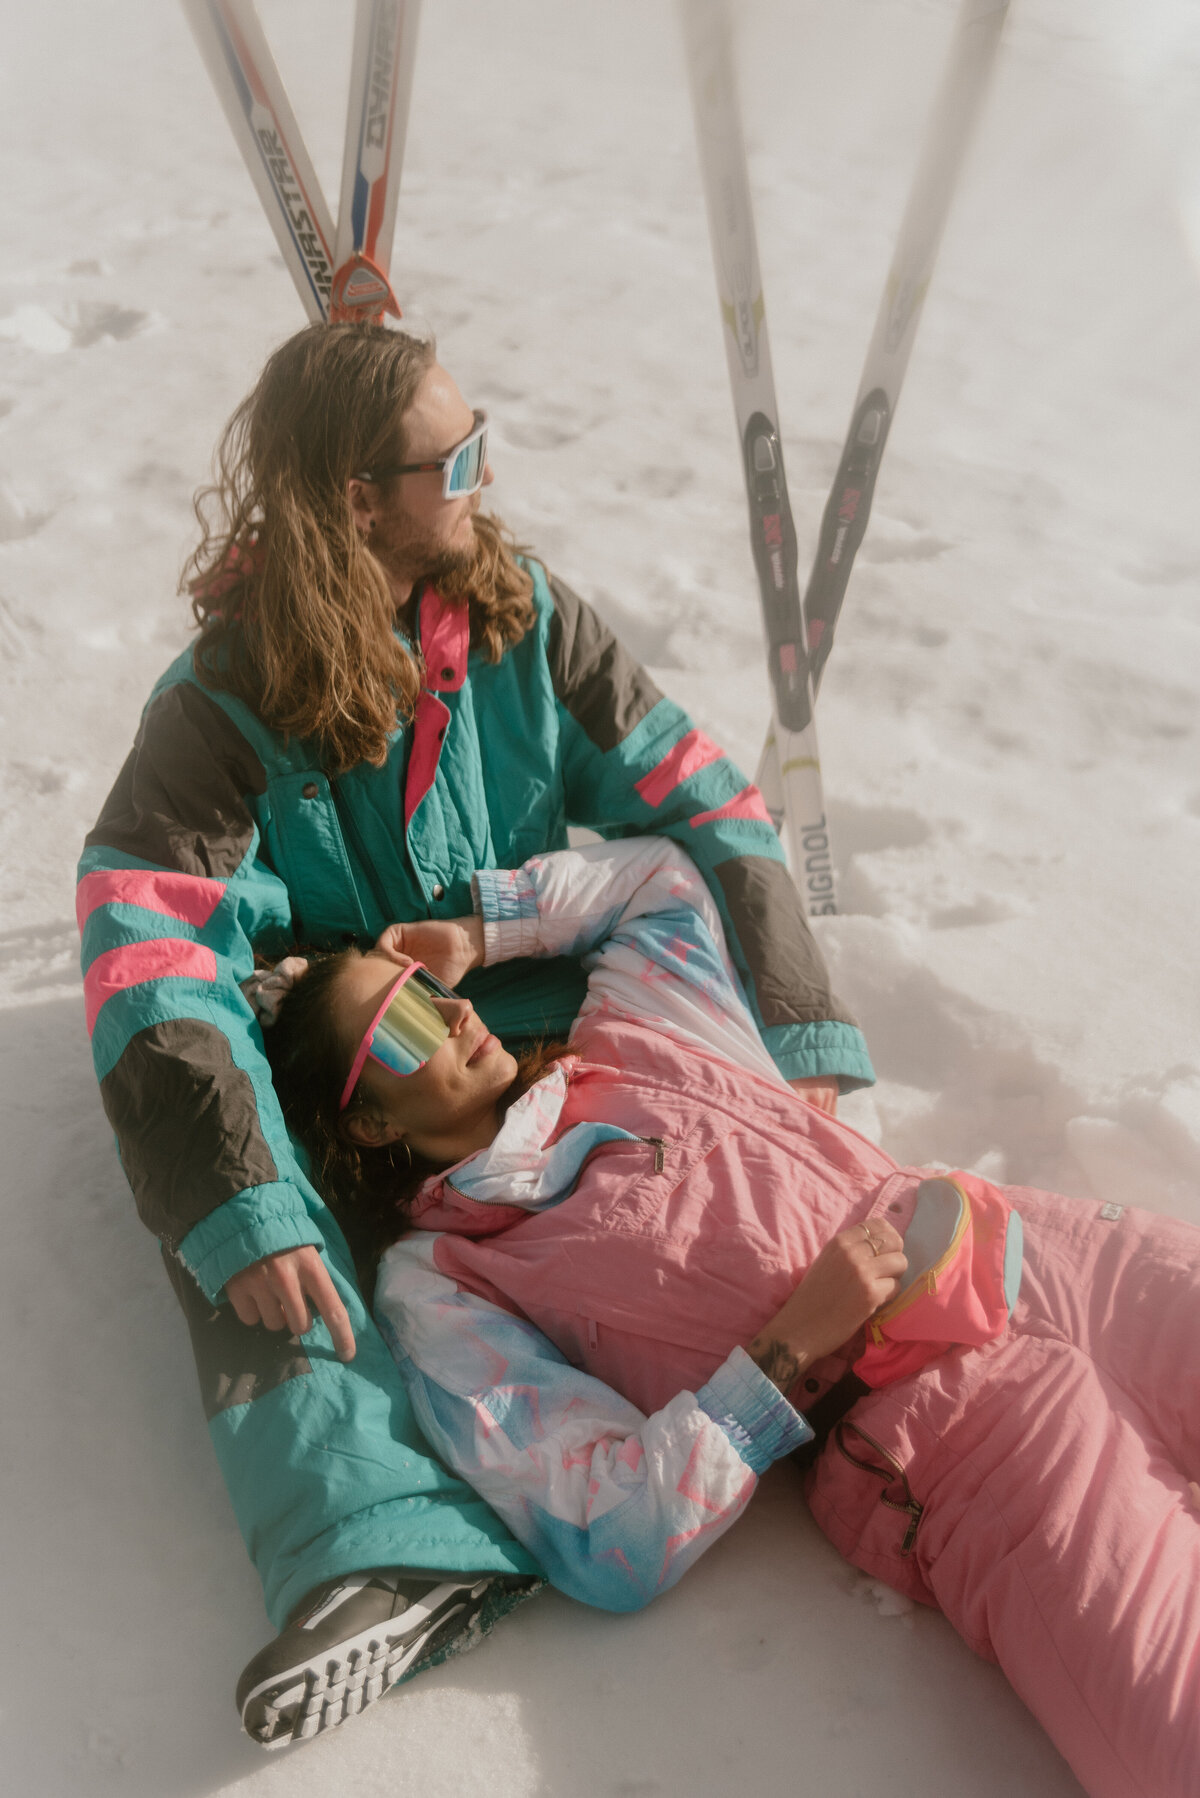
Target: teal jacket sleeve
<point>173,892</point>
<point>634,763</point>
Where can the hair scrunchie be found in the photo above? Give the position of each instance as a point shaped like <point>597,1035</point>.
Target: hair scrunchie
<point>267,988</point>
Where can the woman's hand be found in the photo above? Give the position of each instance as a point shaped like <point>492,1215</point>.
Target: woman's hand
<point>449,947</point>
<point>850,1279</point>
<point>275,1291</point>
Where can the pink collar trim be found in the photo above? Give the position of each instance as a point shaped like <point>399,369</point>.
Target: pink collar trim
<point>445,642</point>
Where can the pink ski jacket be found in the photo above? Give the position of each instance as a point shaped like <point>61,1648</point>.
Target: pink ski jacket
<point>645,1208</point>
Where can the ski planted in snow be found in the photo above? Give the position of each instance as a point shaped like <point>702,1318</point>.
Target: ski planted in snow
<point>385,48</point>
<point>342,276</point>
<point>722,148</point>
<point>260,115</point>
<point>956,109</point>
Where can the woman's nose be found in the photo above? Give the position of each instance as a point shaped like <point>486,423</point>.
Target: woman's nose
<point>488,475</point>
<point>457,1014</point>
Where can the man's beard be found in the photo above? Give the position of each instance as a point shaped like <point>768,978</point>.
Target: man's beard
<point>450,570</point>
<point>414,556</point>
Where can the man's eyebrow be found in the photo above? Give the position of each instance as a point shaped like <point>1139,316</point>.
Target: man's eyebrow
<point>442,454</point>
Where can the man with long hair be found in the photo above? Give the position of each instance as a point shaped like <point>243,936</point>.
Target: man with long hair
<point>385,695</point>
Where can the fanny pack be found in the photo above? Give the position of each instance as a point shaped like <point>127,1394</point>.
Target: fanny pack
<point>964,1247</point>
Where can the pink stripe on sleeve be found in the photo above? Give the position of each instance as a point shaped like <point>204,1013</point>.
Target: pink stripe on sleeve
<point>135,963</point>
<point>190,898</point>
<point>690,754</point>
<point>749,803</point>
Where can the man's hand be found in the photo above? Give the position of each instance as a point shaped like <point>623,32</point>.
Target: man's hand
<point>822,1091</point>
<point>449,947</point>
<point>275,1291</point>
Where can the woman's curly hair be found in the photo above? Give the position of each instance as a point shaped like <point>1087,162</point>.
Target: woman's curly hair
<point>371,1190</point>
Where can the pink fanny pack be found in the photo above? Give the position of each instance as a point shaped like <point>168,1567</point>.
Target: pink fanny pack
<point>964,1272</point>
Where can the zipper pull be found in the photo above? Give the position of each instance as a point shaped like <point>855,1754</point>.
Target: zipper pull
<point>660,1152</point>
<point>915,1513</point>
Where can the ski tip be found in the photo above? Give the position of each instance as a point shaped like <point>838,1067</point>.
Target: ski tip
<point>361,293</point>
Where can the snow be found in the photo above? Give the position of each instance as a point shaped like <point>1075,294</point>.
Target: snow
<point>1008,734</point>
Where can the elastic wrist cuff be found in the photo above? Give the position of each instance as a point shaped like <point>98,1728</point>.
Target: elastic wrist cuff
<point>263,1220</point>
<point>823,1049</point>
<point>753,1413</point>
<point>506,900</point>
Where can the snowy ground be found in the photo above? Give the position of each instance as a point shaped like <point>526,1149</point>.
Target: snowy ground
<point>1008,726</point>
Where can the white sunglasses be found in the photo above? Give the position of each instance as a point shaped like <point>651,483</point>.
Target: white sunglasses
<point>461,469</point>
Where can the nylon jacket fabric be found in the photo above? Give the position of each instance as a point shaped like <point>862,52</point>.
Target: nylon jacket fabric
<point>1034,1488</point>
<point>647,1205</point>
<point>218,839</point>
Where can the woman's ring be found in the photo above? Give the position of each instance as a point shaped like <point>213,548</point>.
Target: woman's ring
<point>870,1238</point>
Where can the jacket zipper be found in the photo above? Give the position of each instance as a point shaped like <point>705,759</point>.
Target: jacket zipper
<point>658,1144</point>
<point>912,1507</point>
<point>928,1281</point>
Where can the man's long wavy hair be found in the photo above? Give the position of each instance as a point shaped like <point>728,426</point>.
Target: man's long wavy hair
<point>295,613</point>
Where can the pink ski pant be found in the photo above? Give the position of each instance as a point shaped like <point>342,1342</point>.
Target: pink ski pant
<point>1058,1531</point>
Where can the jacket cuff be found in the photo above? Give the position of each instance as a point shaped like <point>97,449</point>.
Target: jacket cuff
<point>753,1413</point>
<point>828,1047</point>
<point>262,1220</point>
<point>506,900</point>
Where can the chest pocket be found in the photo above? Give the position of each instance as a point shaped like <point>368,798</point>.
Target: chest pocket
<point>640,1188</point>
<point>304,838</point>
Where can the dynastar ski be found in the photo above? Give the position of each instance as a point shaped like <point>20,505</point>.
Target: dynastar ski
<point>385,47</point>
<point>748,353</point>
<point>956,109</point>
<point>344,277</point>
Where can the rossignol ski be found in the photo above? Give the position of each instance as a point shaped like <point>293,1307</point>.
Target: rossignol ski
<point>342,276</point>
<point>748,353</point>
<point>956,109</point>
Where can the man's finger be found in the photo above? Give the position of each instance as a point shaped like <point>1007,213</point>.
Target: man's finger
<point>285,1284</point>
<point>245,1305</point>
<point>323,1293</point>
<point>271,1312</point>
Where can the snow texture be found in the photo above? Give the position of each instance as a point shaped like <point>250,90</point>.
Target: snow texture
<point>1009,725</point>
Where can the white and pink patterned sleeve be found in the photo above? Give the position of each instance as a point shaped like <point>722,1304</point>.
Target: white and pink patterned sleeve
<point>644,922</point>
<point>615,1505</point>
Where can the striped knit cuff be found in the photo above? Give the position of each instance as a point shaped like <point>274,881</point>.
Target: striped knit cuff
<point>753,1413</point>
<point>506,900</point>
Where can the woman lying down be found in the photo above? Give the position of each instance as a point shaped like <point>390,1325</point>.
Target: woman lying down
<point>625,1276</point>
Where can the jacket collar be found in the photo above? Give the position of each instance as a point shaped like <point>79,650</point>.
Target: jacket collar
<point>520,1166</point>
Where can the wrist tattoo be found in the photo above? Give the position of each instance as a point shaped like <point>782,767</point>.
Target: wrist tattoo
<point>778,1362</point>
